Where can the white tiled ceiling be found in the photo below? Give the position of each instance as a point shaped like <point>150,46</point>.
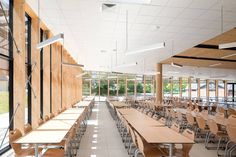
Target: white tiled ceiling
<point>88,30</point>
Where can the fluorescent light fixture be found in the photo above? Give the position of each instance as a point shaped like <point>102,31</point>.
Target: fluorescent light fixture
<point>176,65</point>
<point>152,73</point>
<point>51,40</point>
<point>70,64</point>
<point>127,65</point>
<point>80,75</point>
<point>146,48</point>
<point>214,65</point>
<point>227,56</point>
<point>227,45</point>
<point>132,1</point>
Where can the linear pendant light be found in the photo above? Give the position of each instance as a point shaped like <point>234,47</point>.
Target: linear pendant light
<point>58,37</point>
<point>227,45</point>
<point>227,56</point>
<point>127,65</point>
<point>146,48</point>
<point>176,65</point>
<point>80,75</point>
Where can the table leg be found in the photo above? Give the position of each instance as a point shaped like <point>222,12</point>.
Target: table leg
<point>171,150</point>
<point>36,150</point>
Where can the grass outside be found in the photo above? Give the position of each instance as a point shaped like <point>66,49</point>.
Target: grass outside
<point>4,102</point>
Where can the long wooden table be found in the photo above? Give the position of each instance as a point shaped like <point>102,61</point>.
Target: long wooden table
<point>220,121</point>
<point>153,131</point>
<point>54,130</point>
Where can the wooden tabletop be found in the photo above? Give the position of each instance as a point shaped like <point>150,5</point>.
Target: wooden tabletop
<point>42,137</point>
<point>74,110</point>
<point>83,104</point>
<point>57,125</point>
<point>119,104</point>
<point>162,135</point>
<point>127,111</point>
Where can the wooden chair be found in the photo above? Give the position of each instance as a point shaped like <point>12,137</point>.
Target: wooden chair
<point>231,111</point>
<point>27,128</point>
<point>175,127</point>
<point>51,115</point>
<point>190,120</point>
<point>40,121</point>
<point>46,118</point>
<point>155,116</point>
<point>146,149</point>
<point>184,152</point>
<point>202,126</point>
<point>149,114</point>
<point>19,152</point>
<point>231,130</point>
<point>232,120</point>
<point>214,130</point>
<point>162,120</point>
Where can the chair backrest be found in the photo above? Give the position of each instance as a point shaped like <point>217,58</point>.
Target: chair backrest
<point>220,109</point>
<point>204,112</point>
<point>149,114</point>
<point>200,122</point>
<point>179,116</point>
<point>231,130</point>
<point>162,120</point>
<point>155,116</point>
<point>196,109</point>
<point>27,128</point>
<point>187,147</point>
<point>133,136</point>
<point>46,118</point>
<point>220,115</point>
<point>175,127</point>
<point>51,115</point>
<point>13,136</point>
<point>139,142</point>
<point>231,111</point>
<point>172,113</point>
<point>213,126</point>
<point>40,121</point>
<point>190,118</point>
<point>232,119</point>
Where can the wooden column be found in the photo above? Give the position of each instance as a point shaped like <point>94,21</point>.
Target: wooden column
<point>19,63</point>
<point>159,83</point>
<point>180,87</point>
<point>189,88</point>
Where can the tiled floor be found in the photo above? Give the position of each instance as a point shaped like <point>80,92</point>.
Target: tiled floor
<point>103,140</point>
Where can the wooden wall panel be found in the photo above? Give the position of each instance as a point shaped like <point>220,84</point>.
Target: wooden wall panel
<point>72,86</point>
<point>19,63</point>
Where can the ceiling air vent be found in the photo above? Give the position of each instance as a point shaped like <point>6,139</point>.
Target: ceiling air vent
<point>107,6</point>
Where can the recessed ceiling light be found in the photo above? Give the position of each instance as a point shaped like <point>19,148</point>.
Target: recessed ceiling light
<point>103,51</point>
<point>176,65</point>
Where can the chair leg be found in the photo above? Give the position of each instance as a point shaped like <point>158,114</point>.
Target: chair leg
<point>218,146</point>
<point>231,151</point>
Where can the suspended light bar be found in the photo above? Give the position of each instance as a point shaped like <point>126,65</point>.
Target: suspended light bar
<point>214,65</point>
<point>227,56</point>
<point>132,1</point>
<point>152,73</point>
<point>52,40</point>
<point>70,64</point>
<point>146,48</point>
<point>127,65</point>
<point>176,65</point>
<point>80,75</point>
<point>227,45</point>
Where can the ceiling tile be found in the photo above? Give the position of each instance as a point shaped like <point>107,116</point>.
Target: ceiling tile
<point>170,12</point>
<point>203,4</point>
<point>149,10</point>
<point>178,3</point>
<point>144,19</point>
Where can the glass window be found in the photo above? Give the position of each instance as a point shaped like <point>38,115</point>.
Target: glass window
<point>5,76</point>
<point>139,85</point>
<point>121,85</point>
<point>103,84</point>
<point>86,86</point>
<point>175,87</point>
<point>167,87</point>
<point>112,85</point>
<point>185,87</point>
<point>221,90</point>
<point>95,87</point>
<point>203,89</point>
<point>194,88</point>
<point>130,85</point>
<point>149,85</point>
